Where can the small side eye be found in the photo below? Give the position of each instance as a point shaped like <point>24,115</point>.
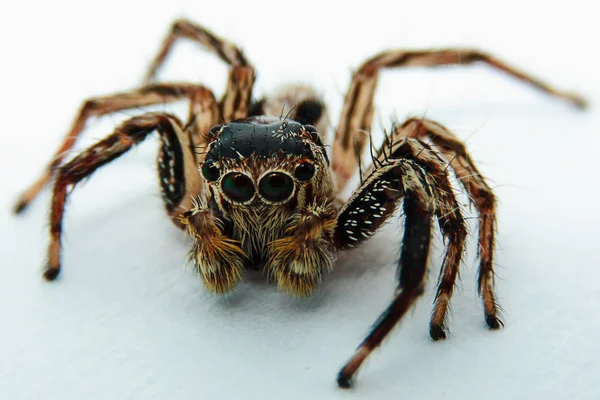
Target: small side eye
<point>210,171</point>
<point>276,186</point>
<point>237,187</point>
<point>304,171</point>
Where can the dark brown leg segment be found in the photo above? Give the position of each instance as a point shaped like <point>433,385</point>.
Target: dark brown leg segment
<point>410,168</point>
<point>451,223</point>
<point>357,111</point>
<point>236,100</point>
<point>413,263</point>
<point>83,165</point>
<point>203,107</point>
<point>480,194</point>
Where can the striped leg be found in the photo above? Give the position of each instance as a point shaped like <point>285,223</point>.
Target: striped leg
<point>451,223</point>
<point>367,211</point>
<point>414,171</point>
<point>413,258</point>
<point>174,179</point>
<point>236,100</point>
<point>480,194</point>
<point>357,111</point>
<point>203,108</point>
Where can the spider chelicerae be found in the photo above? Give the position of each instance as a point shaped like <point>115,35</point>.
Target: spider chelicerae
<point>258,191</point>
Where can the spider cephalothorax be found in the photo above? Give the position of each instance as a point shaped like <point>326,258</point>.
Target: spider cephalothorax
<point>260,174</point>
<point>256,191</point>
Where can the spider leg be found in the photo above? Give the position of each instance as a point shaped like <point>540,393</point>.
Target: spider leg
<point>203,111</point>
<point>451,223</point>
<point>357,111</point>
<point>125,136</point>
<point>371,205</point>
<point>414,171</point>
<point>414,260</point>
<point>480,195</point>
<point>237,97</point>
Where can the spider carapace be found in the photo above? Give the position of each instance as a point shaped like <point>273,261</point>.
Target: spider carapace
<point>259,192</point>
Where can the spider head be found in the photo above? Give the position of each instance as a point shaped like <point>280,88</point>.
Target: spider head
<point>262,160</point>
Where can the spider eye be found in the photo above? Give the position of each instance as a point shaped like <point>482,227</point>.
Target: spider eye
<point>238,187</point>
<point>304,171</point>
<point>276,186</point>
<point>210,171</point>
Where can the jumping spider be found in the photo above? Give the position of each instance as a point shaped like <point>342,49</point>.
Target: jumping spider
<point>257,191</point>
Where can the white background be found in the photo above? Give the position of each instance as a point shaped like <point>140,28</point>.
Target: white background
<point>128,320</point>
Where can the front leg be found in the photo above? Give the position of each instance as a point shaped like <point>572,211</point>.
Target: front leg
<point>298,260</point>
<point>203,111</point>
<point>219,259</point>
<point>236,99</point>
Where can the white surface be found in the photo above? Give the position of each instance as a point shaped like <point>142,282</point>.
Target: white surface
<point>127,320</point>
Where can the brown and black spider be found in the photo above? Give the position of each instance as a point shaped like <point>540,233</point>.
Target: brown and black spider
<point>258,191</point>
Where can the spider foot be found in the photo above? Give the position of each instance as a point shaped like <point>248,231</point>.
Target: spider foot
<point>437,332</point>
<point>52,268</point>
<point>493,321</point>
<point>31,193</point>
<point>491,309</point>
<point>51,273</point>
<point>343,381</point>
<point>345,378</point>
<point>20,206</point>
<point>575,99</point>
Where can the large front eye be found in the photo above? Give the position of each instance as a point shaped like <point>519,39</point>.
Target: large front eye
<point>238,187</point>
<point>276,187</point>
